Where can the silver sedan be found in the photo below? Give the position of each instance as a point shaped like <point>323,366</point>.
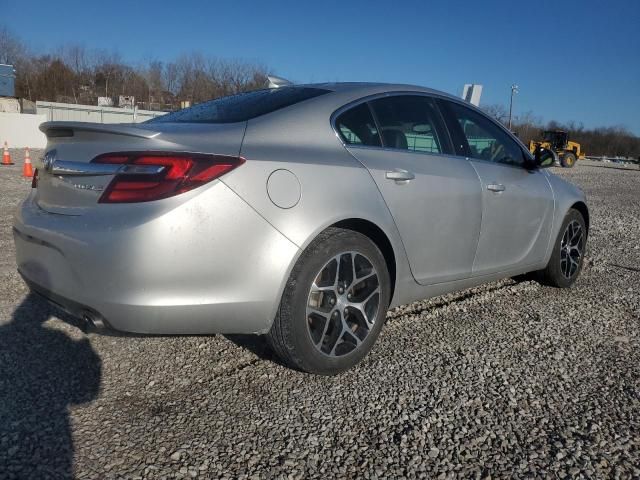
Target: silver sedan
<point>300,212</point>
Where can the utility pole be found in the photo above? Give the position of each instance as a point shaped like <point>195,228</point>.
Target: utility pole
<point>514,90</point>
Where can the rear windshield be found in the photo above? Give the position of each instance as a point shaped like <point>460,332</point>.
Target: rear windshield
<point>241,107</point>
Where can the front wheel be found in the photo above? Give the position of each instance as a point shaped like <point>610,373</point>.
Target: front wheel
<point>568,252</point>
<point>568,160</point>
<point>334,304</point>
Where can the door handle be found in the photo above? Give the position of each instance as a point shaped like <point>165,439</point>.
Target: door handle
<point>399,175</point>
<point>495,187</point>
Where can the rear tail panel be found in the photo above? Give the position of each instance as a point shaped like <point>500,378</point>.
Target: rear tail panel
<point>76,191</point>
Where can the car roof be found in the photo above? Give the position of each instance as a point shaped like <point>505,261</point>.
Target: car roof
<point>367,88</point>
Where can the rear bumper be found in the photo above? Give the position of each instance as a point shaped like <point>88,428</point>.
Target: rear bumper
<point>205,264</point>
<point>86,314</point>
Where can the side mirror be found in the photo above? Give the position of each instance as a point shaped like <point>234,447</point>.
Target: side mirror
<point>544,157</point>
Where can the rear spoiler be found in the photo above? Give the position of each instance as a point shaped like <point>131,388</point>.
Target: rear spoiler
<point>67,129</point>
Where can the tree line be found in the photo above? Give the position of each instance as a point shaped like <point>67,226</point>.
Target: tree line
<point>599,141</point>
<point>75,74</point>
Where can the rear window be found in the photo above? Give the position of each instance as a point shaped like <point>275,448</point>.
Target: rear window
<point>357,127</point>
<point>243,106</point>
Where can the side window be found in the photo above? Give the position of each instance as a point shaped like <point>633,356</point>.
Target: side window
<point>357,127</point>
<point>409,122</point>
<point>486,140</point>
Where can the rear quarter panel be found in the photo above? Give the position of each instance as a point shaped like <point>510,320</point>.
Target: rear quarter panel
<point>334,186</point>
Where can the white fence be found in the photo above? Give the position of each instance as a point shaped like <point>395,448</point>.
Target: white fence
<point>88,113</point>
<point>21,130</point>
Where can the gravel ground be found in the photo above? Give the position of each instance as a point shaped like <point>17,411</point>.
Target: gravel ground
<point>510,379</point>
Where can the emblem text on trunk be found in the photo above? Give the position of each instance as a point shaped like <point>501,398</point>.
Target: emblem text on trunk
<point>86,186</point>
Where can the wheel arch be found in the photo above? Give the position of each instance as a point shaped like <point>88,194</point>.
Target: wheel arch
<point>377,236</point>
<point>584,211</point>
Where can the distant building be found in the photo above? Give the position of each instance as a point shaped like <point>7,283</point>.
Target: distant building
<point>7,81</point>
<point>126,101</point>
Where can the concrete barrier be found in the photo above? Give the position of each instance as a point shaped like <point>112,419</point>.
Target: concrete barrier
<point>20,130</point>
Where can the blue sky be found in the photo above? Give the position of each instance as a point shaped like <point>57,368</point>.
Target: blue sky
<point>573,60</point>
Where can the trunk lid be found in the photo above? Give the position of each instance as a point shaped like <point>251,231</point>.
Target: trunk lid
<point>69,184</point>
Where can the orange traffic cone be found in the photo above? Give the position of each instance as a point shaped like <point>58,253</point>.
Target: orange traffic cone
<point>6,158</point>
<point>27,169</point>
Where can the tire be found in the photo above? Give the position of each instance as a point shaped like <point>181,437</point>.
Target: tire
<point>568,160</point>
<point>310,332</point>
<point>564,267</point>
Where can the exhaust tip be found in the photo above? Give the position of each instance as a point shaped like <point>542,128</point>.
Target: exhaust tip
<point>94,321</point>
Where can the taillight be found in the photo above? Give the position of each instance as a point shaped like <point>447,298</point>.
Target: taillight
<point>34,180</point>
<point>176,173</point>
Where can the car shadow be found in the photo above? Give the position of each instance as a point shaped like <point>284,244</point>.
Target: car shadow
<point>43,372</point>
<point>256,344</point>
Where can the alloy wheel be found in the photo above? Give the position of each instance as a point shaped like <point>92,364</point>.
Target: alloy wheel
<point>571,249</point>
<point>343,304</point>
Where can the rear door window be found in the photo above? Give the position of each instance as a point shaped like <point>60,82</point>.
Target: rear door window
<point>410,122</point>
<point>484,139</point>
<point>357,127</point>
<point>243,106</point>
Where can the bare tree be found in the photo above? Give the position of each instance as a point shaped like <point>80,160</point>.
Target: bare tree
<point>499,112</point>
<point>12,50</point>
<point>74,74</point>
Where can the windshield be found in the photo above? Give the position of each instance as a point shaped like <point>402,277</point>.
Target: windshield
<point>243,106</point>
<point>554,136</point>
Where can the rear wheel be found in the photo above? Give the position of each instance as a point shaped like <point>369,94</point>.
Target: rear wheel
<point>568,160</point>
<point>334,304</point>
<point>568,252</point>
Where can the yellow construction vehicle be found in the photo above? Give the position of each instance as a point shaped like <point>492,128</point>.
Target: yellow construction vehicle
<point>558,141</point>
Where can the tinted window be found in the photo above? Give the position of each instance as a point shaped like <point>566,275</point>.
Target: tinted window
<point>486,140</point>
<point>243,106</point>
<point>356,127</point>
<point>409,122</point>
